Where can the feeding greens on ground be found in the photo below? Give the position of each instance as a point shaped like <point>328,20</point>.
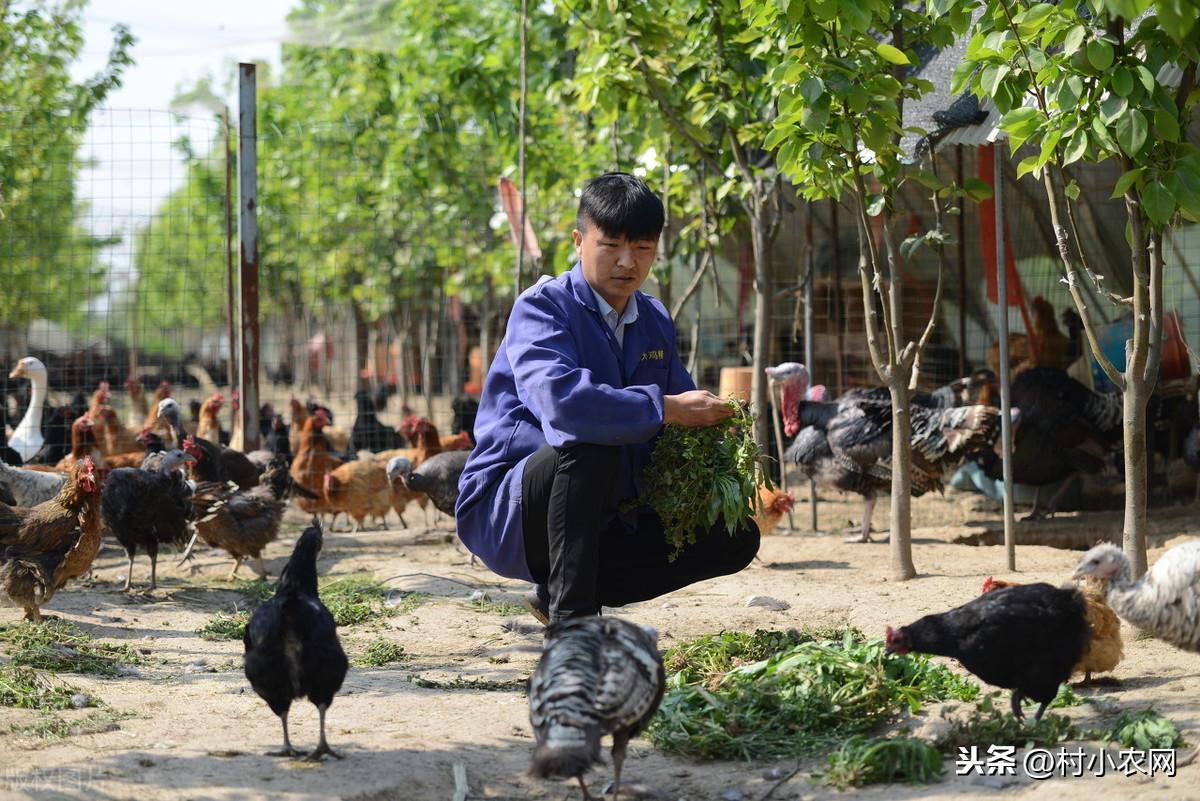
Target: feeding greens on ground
<point>707,659</point>
<point>459,683</point>
<point>990,725</point>
<point>485,603</point>
<point>26,688</point>
<point>1144,729</point>
<point>806,696</point>
<point>352,599</point>
<point>382,652</point>
<point>877,760</point>
<point>50,728</point>
<point>61,647</point>
<point>699,476</point>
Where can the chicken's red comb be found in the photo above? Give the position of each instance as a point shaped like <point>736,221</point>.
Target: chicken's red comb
<point>989,584</point>
<point>88,465</point>
<point>189,442</point>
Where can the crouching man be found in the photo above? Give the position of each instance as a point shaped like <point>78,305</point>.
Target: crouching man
<point>585,378</point>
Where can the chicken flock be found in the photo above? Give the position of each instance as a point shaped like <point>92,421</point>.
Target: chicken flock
<point>159,480</point>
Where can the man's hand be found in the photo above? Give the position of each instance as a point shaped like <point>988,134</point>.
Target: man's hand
<point>695,409</point>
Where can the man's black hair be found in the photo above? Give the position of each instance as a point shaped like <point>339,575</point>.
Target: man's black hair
<point>620,204</point>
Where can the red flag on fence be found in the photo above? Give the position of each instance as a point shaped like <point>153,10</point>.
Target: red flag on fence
<point>512,203</point>
<point>987,236</point>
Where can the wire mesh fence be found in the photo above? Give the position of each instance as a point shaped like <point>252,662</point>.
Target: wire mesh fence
<point>118,255</point>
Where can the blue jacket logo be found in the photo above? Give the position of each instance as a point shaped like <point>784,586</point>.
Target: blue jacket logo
<point>653,356</point>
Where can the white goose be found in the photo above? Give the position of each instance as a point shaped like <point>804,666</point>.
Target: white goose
<point>27,438</point>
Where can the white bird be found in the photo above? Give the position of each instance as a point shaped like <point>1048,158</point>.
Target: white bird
<point>31,487</point>
<point>27,438</point>
<point>597,676</point>
<point>1165,602</point>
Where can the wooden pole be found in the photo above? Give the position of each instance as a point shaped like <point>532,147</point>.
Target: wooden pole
<point>247,333</point>
<point>1010,542</point>
<point>231,368</point>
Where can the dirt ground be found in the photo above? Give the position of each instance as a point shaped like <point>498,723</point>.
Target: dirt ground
<point>196,731</point>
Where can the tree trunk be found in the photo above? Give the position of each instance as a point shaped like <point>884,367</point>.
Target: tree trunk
<point>362,348</point>
<point>900,543</point>
<point>1134,531</point>
<point>762,321</point>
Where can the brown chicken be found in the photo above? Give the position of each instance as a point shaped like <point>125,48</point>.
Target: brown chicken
<point>1052,344</point>
<point>43,547</point>
<point>312,461</point>
<point>111,434</point>
<point>242,522</point>
<point>209,427</point>
<point>457,442</point>
<point>427,443</point>
<point>1106,650</point>
<point>139,407</point>
<point>299,418</point>
<point>99,398</point>
<point>161,392</point>
<point>773,504</point>
<point>83,443</point>
<point>359,489</point>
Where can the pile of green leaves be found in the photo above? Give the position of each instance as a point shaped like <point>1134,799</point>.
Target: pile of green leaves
<point>699,476</point>
<point>800,699</point>
<point>990,725</point>
<point>26,688</point>
<point>61,647</point>
<point>51,728</point>
<point>880,760</point>
<point>705,660</point>
<point>1144,729</point>
<point>225,626</point>
<point>382,652</point>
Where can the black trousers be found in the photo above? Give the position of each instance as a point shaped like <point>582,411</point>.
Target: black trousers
<point>584,564</point>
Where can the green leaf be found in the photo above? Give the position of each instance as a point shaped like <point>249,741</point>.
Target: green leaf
<point>857,98</point>
<point>891,54</point>
<point>1102,134</point>
<point>1074,39</point>
<point>812,88</point>
<point>926,179</point>
<point>1027,166</point>
<point>1100,54</point>
<point>1122,81</point>
<point>977,189</point>
<point>991,76</point>
<point>1165,125</point>
<point>1127,180</point>
<point>1146,77</point>
<point>1072,190</point>
<point>777,135</point>
<point>1131,131</point>
<point>1158,202</point>
<point>876,205</point>
<point>1111,107</point>
<point>1076,147</point>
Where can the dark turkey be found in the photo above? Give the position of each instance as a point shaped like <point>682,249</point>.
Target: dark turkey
<point>1062,429</point>
<point>859,435</point>
<point>597,676</point>
<point>437,477</point>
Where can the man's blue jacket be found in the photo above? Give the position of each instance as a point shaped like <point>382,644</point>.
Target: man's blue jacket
<point>559,377</point>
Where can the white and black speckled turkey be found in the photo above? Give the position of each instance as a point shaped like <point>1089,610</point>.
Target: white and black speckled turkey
<point>1165,602</point>
<point>597,676</point>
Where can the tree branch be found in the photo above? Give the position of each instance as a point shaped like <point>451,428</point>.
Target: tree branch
<point>937,294</point>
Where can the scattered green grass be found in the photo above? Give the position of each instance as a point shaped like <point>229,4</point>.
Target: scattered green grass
<point>225,626</point>
<point>707,659</point>
<point>382,652</point>
<point>1066,698</point>
<point>61,647</point>
<point>26,688</point>
<point>52,728</point>
<point>804,697</point>
<point>485,603</point>
<point>989,725</point>
<point>1143,729</point>
<point>879,760</point>
<point>459,683</point>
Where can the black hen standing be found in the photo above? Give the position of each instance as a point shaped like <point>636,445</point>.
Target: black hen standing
<point>1026,638</point>
<point>292,646</point>
<point>597,676</point>
<point>218,463</point>
<point>368,434</point>
<point>147,508</point>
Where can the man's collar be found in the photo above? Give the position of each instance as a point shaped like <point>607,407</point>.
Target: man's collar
<point>605,308</point>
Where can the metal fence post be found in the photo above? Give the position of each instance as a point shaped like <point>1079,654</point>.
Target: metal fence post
<point>247,332</point>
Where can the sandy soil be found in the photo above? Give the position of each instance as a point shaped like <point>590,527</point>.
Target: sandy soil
<point>202,735</point>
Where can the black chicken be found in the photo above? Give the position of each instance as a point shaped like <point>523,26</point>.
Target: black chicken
<point>9,456</point>
<point>56,434</point>
<point>859,435</point>
<point>1027,638</point>
<point>219,463</point>
<point>437,477</point>
<point>465,409</point>
<point>597,676</point>
<point>1062,429</point>
<point>292,646</point>
<point>147,508</point>
<point>368,434</point>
